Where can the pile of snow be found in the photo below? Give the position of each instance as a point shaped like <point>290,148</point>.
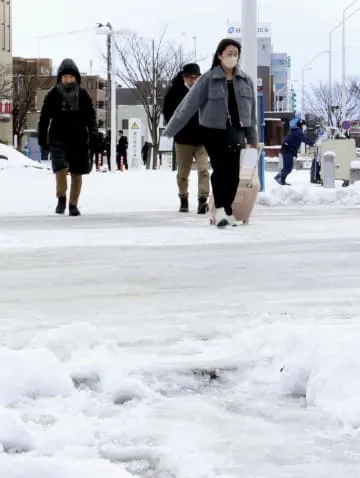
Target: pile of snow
<point>14,436</point>
<point>308,194</point>
<point>325,369</point>
<point>58,467</point>
<point>145,414</point>
<point>150,191</point>
<point>10,158</point>
<point>31,374</point>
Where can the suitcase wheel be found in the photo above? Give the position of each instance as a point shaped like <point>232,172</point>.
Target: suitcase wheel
<point>246,223</point>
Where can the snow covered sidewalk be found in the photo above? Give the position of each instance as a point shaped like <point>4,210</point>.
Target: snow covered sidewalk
<point>27,191</point>
<point>144,343</point>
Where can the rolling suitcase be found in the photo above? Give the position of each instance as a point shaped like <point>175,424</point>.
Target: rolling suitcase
<point>248,189</point>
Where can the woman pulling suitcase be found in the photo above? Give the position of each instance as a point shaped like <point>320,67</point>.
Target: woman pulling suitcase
<point>225,99</point>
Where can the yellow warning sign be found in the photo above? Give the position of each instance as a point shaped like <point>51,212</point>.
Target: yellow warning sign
<point>134,126</point>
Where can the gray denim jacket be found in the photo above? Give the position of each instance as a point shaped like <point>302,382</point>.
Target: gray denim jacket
<point>209,96</point>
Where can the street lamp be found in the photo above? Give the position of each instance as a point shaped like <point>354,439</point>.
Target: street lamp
<point>195,48</point>
<point>307,68</point>
<point>343,86</point>
<point>331,52</point>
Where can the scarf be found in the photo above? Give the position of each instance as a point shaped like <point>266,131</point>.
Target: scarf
<point>70,96</point>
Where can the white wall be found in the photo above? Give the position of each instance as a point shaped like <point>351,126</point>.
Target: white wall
<point>125,112</point>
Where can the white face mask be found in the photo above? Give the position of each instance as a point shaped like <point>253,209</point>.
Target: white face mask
<point>229,61</point>
<point>304,128</point>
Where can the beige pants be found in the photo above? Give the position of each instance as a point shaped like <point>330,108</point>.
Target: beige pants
<point>61,186</point>
<point>185,153</point>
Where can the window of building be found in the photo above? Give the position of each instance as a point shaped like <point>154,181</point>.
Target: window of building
<point>91,84</point>
<point>125,124</point>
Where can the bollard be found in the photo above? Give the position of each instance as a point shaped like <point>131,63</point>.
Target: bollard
<point>329,170</point>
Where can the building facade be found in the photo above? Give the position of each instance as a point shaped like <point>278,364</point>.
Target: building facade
<point>280,70</point>
<point>129,106</point>
<point>6,135</point>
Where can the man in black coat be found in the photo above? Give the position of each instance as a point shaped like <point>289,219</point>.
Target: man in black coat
<point>122,148</point>
<point>188,142</point>
<point>68,127</point>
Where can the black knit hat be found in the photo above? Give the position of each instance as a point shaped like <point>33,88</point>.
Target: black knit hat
<point>191,69</point>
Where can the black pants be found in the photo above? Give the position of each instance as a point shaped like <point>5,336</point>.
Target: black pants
<point>288,165</point>
<point>226,168</point>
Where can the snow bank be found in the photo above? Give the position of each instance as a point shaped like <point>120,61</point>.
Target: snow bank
<point>309,195</point>
<point>58,467</point>
<point>15,159</point>
<point>14,436</point>
<point>68,339</point>
<point>31,374</point>
<point>326,371</point>
<point>156,191</point>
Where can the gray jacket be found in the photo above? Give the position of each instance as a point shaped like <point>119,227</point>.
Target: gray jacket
<point>209,96</point>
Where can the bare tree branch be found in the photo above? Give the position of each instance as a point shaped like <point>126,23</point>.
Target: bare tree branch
<point>5,81</point>
<point>24,86</point>
<point>148,66</point>
<point>328,107</point>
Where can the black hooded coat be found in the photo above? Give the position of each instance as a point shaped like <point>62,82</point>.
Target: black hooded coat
<point>68,125</point>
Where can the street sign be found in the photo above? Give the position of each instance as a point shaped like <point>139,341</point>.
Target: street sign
<point>346,125</point>
<point>134,138</point>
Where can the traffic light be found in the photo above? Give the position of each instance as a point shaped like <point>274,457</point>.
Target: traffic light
<point>293,100</point>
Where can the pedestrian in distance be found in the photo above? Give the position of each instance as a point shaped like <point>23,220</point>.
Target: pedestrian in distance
<point>68,127</point>
<point>290,148</point>
<point>188,141</point>
<point>101,150</point>
<point>146,151</point>
<point>225,99</point>
<point>122,148</point>
<point>108,148</point>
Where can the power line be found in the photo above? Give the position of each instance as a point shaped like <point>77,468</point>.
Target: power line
<point>71,32</point>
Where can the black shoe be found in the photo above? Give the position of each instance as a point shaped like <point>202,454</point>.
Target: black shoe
<point>184,205</point>
<point>74,211</point>
<point>61,206</point>
<point>202,206</point>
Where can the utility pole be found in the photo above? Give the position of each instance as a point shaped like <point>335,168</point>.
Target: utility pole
<point>108,83</point>
<point>343,69</point>
<point>195,48</point>
<point>249,39</point>
<point>113,99</point>
<point>111,88</point>
<point>154,107</point>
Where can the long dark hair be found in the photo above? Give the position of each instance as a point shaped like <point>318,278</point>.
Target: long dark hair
<point>225,42</point>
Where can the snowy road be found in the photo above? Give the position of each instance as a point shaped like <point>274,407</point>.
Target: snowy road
<point>170,298</point>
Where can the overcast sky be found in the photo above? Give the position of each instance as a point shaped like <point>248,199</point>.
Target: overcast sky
<point>299,28</point>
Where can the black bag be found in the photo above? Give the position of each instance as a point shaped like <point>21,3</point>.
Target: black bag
<point>236,139</point>
<point>236,134</point>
